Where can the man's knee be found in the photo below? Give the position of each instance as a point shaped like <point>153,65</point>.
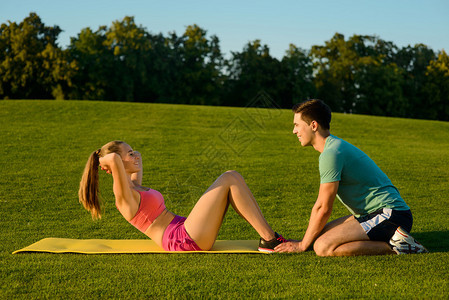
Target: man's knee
<point>322,248</point>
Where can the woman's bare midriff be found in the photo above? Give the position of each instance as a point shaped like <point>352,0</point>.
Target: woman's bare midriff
<point>157,228</point>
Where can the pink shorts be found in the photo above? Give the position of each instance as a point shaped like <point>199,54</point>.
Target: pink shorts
<point>176,237</point>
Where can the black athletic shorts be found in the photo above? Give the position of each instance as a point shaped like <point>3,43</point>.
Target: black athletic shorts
<point>381,224</point>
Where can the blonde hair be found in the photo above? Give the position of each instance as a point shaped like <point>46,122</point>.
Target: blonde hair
<point>89,192</point>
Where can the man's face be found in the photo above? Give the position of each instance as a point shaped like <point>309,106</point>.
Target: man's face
<point>302,130</point>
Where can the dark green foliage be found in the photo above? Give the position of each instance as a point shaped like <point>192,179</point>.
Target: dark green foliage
<point>125,62</point>
<point>32,65</point>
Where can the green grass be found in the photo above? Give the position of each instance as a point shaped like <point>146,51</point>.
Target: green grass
<point>44,146</point>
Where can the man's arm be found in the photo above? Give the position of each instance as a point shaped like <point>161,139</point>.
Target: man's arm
<point>321,212</point>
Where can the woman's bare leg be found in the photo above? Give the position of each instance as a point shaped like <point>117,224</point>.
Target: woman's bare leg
<point>205,219</point>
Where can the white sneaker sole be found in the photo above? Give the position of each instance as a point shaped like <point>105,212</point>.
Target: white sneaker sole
<point>266,250</point>
<point>406,244</point>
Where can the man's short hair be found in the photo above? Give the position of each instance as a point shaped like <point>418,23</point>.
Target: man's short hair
<point>314,110</point>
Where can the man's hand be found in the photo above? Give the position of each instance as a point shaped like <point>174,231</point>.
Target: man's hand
<point>289,247</point>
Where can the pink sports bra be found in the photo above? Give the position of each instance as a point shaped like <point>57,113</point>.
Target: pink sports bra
<point>151,206</point>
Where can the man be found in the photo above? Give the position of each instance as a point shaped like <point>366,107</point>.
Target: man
<point>380,221</point>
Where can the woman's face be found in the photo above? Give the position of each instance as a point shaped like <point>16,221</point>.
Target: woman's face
<point>131,159</point>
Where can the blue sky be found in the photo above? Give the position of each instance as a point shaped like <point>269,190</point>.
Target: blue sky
<point>275,23</point>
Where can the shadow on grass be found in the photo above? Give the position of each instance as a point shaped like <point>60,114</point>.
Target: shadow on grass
<point>434,241</point>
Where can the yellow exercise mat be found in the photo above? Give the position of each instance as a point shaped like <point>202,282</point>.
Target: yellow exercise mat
<point>96,246</point>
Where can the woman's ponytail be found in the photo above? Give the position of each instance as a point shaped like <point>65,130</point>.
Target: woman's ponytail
<point>89,192</point>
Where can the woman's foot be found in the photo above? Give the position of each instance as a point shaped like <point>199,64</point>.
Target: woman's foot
<point>268,246</point>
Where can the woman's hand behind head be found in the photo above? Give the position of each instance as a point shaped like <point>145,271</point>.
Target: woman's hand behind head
<point>107,161</point>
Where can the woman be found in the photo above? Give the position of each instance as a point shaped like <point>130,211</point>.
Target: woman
<point>145,209</point>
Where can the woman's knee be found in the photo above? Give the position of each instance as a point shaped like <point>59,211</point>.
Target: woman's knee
<point>232,173</point>
<point>232,176</point>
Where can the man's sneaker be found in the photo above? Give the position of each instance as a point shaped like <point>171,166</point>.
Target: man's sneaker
<point>403,243</point>
<point>268,246</point>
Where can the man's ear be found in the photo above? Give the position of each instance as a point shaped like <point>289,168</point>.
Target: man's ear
<point>314,125</point>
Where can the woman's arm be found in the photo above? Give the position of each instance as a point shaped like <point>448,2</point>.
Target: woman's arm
<point>112,163</point>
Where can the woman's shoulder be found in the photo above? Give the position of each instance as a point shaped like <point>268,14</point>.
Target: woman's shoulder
<point>141,188</point>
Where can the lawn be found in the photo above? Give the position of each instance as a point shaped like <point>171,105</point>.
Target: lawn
<point>45,145</point>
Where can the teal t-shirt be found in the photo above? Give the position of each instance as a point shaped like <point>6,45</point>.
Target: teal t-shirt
<point>363,187</point>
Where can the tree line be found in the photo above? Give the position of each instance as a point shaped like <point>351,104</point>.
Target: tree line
<point>124,62</point>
